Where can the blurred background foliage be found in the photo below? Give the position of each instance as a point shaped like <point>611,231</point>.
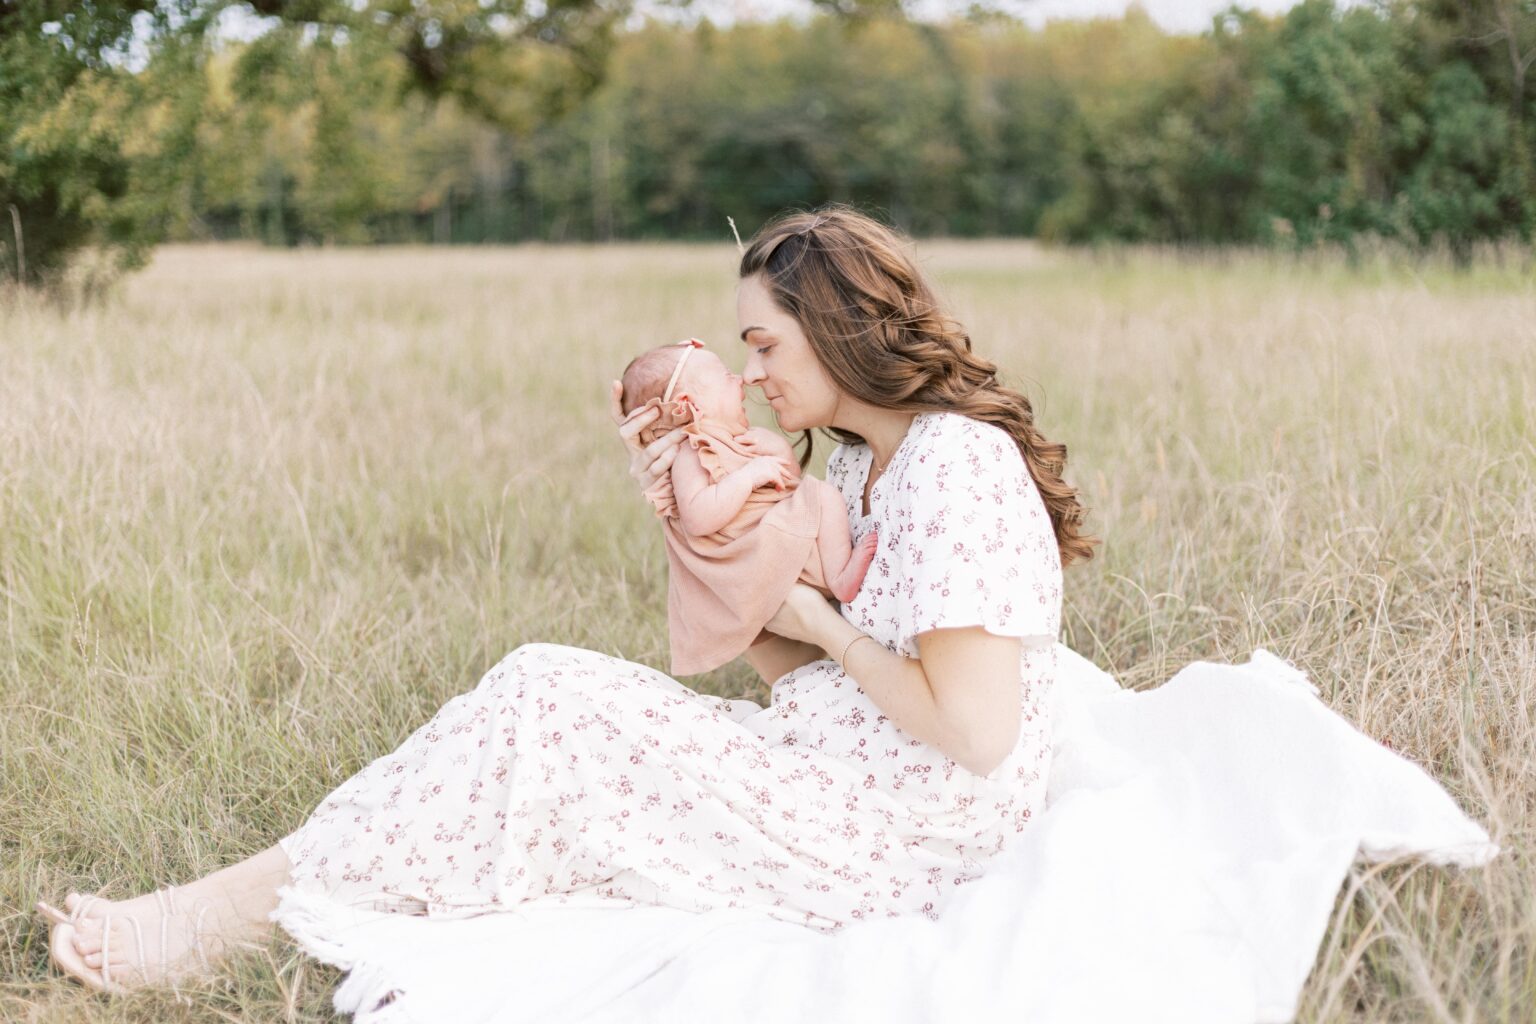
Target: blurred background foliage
<point>469,121</point>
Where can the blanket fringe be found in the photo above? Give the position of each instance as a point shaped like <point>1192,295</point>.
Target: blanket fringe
<point>317,924</point>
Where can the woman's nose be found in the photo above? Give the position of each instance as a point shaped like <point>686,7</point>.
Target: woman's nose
<point>752,374</point>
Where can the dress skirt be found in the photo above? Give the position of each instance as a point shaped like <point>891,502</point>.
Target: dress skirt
<point>569,775</point>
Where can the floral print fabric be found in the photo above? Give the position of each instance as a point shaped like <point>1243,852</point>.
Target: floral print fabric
<point>965,539</point>
<point>567,774</point>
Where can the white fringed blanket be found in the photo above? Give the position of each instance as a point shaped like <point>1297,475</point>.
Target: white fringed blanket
<point>1194,841</point>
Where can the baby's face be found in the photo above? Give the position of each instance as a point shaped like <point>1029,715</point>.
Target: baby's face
<point>719,393</point>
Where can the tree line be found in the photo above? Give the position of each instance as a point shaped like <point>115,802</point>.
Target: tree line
<point>1405,119</point>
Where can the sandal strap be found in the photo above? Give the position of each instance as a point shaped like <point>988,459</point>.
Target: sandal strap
<point>197,939</point>
<point>106,950</point>
<point>165,899</point>
<point>78,914</point>
<point>138,939</point>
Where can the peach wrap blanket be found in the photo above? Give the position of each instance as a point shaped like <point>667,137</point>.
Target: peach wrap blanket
<point>723,587</point>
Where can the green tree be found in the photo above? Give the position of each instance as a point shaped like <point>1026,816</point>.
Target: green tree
<point>1405,118</point>
<point>1129,131</point>
<point>1328,125</point>
<point>1457,191</point>
<point>1496,40</point>
<point>89,151</point>
<point>94,150</point>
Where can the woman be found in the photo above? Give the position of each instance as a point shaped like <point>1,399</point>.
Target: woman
<point>882,776</point>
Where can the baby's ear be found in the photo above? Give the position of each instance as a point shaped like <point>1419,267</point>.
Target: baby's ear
<point>684,411</point>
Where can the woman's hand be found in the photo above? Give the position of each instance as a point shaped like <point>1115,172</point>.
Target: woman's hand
<point>647,463</point>
<point>803,616</point>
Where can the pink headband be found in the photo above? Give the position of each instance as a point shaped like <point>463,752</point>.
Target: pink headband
<point>691,343</point>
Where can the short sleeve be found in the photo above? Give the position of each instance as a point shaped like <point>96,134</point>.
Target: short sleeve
<point>838,472</point>
<point>974,543</point>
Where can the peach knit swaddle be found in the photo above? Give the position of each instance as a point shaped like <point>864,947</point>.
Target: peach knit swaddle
<point>723,587</point>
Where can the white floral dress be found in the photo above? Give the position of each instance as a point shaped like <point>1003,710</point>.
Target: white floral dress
<point>567,773</point>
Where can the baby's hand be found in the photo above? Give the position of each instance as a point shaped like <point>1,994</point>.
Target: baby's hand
<point>761,441</point>
<point>771,470</point>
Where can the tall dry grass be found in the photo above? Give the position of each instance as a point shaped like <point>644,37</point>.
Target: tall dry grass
<point>262,512</point>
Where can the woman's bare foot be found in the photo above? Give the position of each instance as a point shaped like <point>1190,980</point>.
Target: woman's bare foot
<point>160,938</point>
<point>168,935</point>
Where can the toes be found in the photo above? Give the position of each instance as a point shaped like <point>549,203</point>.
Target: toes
<point>53,915</point>
<point>70,962</point>
<point>117,958</point>
<point>88,941</point>
<point>93,906</point>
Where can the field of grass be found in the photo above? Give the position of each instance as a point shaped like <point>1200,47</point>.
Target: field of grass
<point>262,512</point>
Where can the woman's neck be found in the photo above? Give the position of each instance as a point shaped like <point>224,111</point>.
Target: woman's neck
<point>881,429</point>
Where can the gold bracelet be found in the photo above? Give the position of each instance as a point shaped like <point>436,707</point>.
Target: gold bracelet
<point>842,662</point>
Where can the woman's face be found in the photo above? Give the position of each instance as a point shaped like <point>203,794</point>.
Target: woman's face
<point>780,361</point>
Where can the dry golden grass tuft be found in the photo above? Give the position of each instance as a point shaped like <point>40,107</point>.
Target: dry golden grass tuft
<point>262,512</point>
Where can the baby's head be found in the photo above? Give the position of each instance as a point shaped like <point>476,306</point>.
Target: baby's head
<point>706,387</point>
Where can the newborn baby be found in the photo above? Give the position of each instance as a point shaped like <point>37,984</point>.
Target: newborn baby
<point>742,524</point>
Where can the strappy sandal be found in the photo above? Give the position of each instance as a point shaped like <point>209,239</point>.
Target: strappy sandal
<point>69,960</point>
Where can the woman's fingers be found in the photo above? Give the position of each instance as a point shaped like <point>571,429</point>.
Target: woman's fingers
<point>616,402</point>
<point>779,620</point>
<point>629,429</point>
<point>652,462</point>
<point>802,606</point>
<point>664,447</point>
<point>647,463</point>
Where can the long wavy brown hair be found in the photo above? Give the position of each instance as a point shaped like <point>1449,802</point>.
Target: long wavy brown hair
<point>878,330</point>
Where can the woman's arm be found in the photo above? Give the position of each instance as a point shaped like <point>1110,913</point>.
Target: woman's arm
<point>961,694</point>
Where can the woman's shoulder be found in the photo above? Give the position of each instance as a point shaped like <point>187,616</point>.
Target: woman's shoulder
<point>839,471</point>
<point>943,438</point>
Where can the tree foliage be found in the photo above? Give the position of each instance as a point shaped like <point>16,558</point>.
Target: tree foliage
<point>88,149</point>
<point>1403,120</point>
<point>504,120</point>
<point>103,105</point>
